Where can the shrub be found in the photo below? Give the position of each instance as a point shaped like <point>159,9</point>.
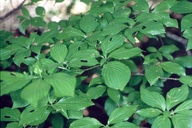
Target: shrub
<point>100,41</point>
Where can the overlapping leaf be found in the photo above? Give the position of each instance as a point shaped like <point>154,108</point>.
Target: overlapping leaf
<point>8,114</point>
<point>96,92</point>
<point>116,74</point>
<point>153,99</point>
<point>187,105</point>
<point>110,43</point>
<point>123,53</point>
<point>114,94</point>
<point>125,125</point>
<point>161,122</point>
<point>63,84</point>
<point>153,73</point>
<point>181,121</point>
<point>86,122</point>
<point>121,114</point>
<point>35,91</point>
<point>88,23</point>
<point>182,7</point>
<point>59,52</point>
<point>173,68</point>
<point>176,96</point>
<point>149,112</point>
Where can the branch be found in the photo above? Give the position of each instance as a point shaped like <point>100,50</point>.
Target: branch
<point>12,11</point>
<point>159,78</point>
<point>179,39</point>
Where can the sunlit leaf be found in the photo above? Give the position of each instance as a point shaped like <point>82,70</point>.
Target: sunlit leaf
<point>149,112</point>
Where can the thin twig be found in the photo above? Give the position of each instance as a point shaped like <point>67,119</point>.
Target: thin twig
<point>169,78</point>
<point>12,11</point>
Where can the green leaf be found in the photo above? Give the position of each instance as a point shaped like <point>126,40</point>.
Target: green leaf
<point>38,21</point>
<point>35,91</point>
<point>96,80</point>
<point>87,2</point>
<point>176,96</point>
<point>161,122</point>
<point>149,112</point>
<point>153,73</point>
<point>19,56</point>
<point>51,97</point>
<point>133,96</point>
<point>78,102</point>
<point>73,114</point>
<point>96,92</point>
<point>182,7</point>
<point>62,108</point>
<point>110,43</point>
<point>48,35</point>
<point>185,22</point>
<point>86,122</point>
<point>57,1</point>
<point>23,25</point>
<point>187,105</point>
<point>109,106</point>
<point>125,125</point>
<point>49,65</point>
<point>58,52</point>
<point>63,84</point>
<point>151,27</point>
<point>189,45</point>
<point>57,121</point>
<point>30,114</point>
<point>116,74</point>
<point>12,83</point>
<point>168,49</point>
<point>9,114</point>
<point>88,23</point>
<point>70,32</point>
<point>151,49</point>
<point>173,68</point>
<point>113,29</point>
<point>13,125</point>
<point>121,114</point>
<point>18,102</point>
<point>123,53</point>
<point>164,5</point>
<point>181,121</point>
<point>114,94</point>
<point>141,6</point>
<point>6,53</point>
<point>122,13</point>
<point>131,64</point>
<point>53,25</point>
<point>186,80</point>
<point>41,119</point>
<point>21,41</point>
<point>187,34</point>
<point>185,61</point>
<point>167,56</point>
<point>25,12</point>
<point>153,99</point>
<point>40,11</point>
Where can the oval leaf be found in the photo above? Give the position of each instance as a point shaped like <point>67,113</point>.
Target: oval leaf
<point>86,122</point>
<point>184,106</point>
<point>149,112</point>
<point>173,68</point>
<point>161,122</point>
<point>111,42</point>
<point>121,114</point>
<point>181,121</point>
<point>9,114</point>
<point>63,84</point>
<point>59,52</point>
<point>88,23</point>
<point>153,73</point>
<point>123,53</point>
<point>35,91</point>
<point>153,99</point>
<point>114,94</point>
<point>176,96</point>
<point>125,125</point>
<point>116,74</point>
<point>182,7</point>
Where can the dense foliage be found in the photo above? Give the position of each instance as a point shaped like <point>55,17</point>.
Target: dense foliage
<point>101,41</point>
